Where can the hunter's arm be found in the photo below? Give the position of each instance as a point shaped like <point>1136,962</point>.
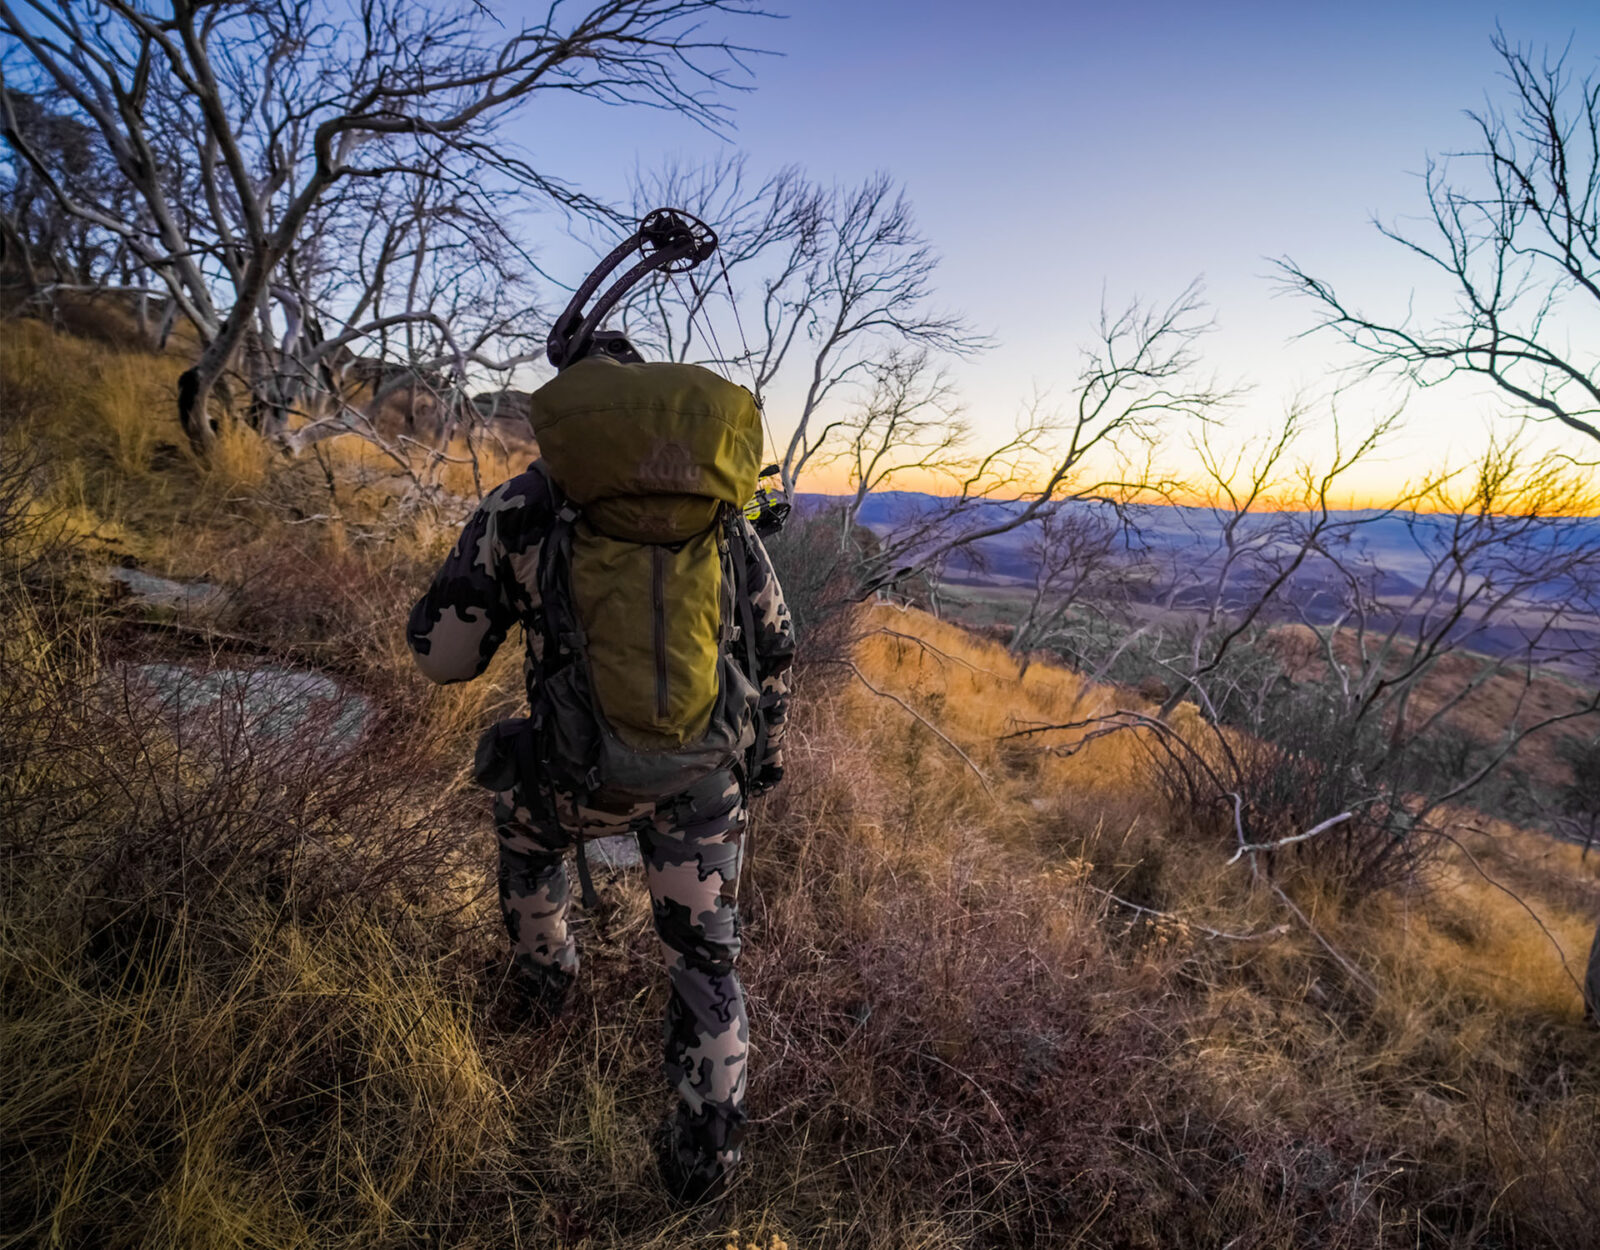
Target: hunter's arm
<point>458,625</point>
<point>774,646</point>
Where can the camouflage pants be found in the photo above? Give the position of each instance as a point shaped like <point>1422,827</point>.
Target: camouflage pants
<point>692,847</point>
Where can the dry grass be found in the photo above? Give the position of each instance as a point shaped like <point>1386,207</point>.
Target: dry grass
<point>307,1089</point>
<point>243,999</point>
<point>127,396</point>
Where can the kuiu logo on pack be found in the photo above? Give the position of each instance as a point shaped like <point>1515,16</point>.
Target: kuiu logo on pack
<point>669,469</point>
<point>650,680</point>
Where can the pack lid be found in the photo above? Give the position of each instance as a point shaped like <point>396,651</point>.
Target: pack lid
<point>611,431</point>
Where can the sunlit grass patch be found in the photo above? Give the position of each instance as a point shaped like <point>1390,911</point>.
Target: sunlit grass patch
<point>263,1082</point>
<point>238,460</point>
<point>1498,945</point>
<point>133,397</point>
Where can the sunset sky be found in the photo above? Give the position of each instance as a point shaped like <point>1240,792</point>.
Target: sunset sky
<point>1058,151</point>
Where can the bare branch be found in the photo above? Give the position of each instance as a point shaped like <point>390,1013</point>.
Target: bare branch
<point>1520,243</point>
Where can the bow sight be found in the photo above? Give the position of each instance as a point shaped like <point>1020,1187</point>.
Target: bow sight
<point>667,239</point>
<point>768,509</point>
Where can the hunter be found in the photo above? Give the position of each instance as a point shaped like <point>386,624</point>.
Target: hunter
<point>657,647</point>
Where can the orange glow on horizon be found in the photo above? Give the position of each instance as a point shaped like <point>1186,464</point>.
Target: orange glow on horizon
<point>834,480</point>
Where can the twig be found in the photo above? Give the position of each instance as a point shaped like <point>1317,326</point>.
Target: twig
<point>1518,900</point>
<point>1042,728</point>
<point>928,646</point>
<point>1360,977</point>
<point>1252,848</point>
<point>1275,931</point>
<point>926,724</point>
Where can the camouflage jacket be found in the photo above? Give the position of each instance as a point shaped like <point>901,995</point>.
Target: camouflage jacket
<point>490,582</point>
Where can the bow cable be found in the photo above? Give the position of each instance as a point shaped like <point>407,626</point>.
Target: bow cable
<point>749,356</point>
<point>716,346</point>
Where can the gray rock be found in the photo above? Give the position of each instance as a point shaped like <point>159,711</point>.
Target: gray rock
<point>615,853</point>
<point>270,704</point>
<point>163,594</point>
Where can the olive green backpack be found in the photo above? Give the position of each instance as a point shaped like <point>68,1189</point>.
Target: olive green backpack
<point>650,679</point>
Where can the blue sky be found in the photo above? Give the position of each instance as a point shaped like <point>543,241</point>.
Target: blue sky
<point>1058,151</point>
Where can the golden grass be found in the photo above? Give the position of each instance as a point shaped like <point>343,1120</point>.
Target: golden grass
<point>970,688</point>
<point>959,1040</point>
<point>238,461</point>
<point>96,419</point>
<point>44,375</point>
<point>103,417</point>
<point>172,1065</point>
<point>495,463</point>
<point>131,396</point>
<point>1483,944</point>
<point>1468,930</point>
<point>1471,986</point>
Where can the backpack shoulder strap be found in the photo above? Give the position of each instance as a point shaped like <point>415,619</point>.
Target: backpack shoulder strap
<point>747,630</point>
<point>563,635</point>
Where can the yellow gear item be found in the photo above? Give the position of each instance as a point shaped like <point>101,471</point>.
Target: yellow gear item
<point>652,655</point>
<point>650,454</point>
<point>648,450</point>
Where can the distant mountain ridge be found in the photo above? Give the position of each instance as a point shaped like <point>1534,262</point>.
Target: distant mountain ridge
<point>1392,542</point>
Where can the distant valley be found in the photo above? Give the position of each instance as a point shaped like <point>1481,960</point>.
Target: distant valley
<point>1395,553</point>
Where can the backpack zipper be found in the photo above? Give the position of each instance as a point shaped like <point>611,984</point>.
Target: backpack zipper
<point>658,597</point>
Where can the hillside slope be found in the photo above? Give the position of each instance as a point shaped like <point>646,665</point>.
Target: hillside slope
<point>250,982</point>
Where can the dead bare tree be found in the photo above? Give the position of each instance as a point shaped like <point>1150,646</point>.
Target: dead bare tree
<point>1080,560</point>
<point>1504,578</point>
<point>235,124</point>
<point>1326,652</point>
<point>833,284</point>
<point>908,423</point>
<point>1142,377</point>
<point>869,286</point>
<point>42,246</point>
<point>769,231</point>
<point>1520,245</point>
<point>424,275</point>
<point>1578,802</point>
<point>1250,539</point>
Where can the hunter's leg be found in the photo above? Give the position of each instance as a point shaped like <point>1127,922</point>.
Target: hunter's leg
<point>692,852</point>
<point>534,898</point>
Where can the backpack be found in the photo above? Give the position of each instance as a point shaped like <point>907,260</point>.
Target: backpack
<point>650,670</point>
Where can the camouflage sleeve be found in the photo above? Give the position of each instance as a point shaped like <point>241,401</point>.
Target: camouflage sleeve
<point>458,625</point>
<point>774,644</point>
